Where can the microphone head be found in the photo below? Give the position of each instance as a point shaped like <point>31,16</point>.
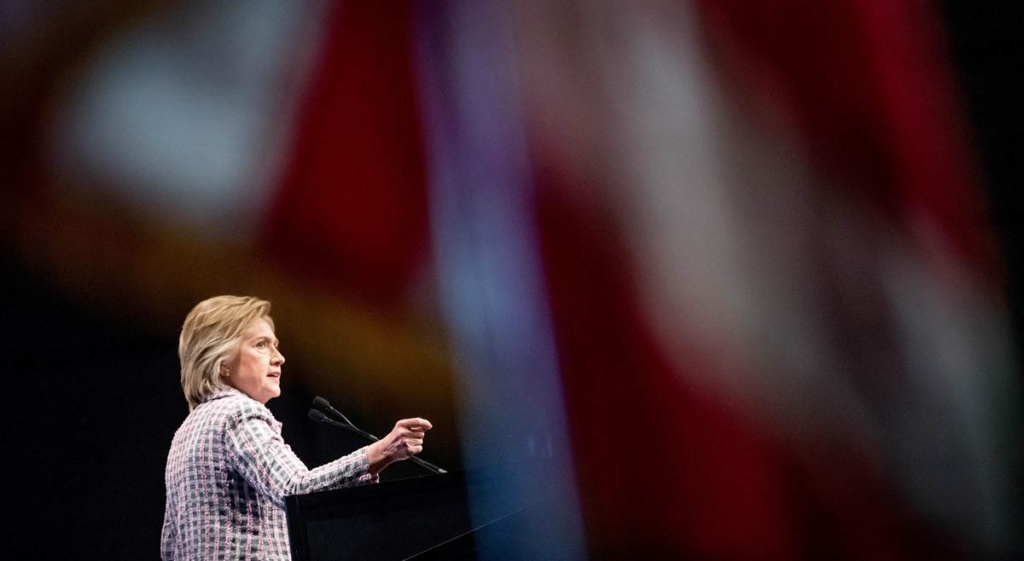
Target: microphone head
<point>317,416</point>
<point>321,402</point>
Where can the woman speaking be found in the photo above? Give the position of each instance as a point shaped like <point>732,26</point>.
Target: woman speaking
<point>228,470</point>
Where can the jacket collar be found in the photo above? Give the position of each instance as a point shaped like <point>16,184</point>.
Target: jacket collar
<point>226,391</point>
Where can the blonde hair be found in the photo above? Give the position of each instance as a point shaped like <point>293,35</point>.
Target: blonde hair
<point>210,337</point>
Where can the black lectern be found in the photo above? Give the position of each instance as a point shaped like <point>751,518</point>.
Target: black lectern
<point>411,519</point>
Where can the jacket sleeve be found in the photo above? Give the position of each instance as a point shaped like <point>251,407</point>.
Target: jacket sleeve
<point>258,452</point>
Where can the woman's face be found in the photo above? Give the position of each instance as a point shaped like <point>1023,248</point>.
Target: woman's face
<point>256,368</point>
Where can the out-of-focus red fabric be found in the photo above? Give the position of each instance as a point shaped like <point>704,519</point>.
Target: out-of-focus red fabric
<point>666,470</point>
<point>868,84</point>
<point>351,209</point>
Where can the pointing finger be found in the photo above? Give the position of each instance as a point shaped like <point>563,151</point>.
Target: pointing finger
<point>416,424</point>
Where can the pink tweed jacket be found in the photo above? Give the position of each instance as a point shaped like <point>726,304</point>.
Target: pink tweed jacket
<point>228,472</point>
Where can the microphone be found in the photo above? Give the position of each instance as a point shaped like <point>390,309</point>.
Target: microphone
<point>322,403</point>
<point>319,417</point>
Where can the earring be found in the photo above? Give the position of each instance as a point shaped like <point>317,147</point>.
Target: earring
<point>225,372</point>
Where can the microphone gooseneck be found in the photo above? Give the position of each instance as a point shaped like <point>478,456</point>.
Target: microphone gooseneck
<point>319,416</point>
<point>322,403</point>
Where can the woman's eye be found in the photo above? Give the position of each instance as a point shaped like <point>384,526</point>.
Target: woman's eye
<point>261,345</point>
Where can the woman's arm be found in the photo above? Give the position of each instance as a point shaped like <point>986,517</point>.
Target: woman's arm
<point>260,454</point>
